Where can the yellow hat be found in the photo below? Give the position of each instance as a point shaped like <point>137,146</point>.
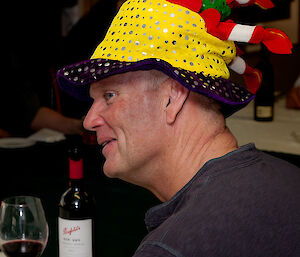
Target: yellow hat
<point>158,29</point>
<point>157,34</point>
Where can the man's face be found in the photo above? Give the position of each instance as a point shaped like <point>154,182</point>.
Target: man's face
<point>128,117</point>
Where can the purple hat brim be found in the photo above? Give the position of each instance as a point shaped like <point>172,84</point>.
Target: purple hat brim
<point>75,80</point>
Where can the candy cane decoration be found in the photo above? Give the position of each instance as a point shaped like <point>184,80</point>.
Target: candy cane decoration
<point>252,77</point>
<point>275,40</point>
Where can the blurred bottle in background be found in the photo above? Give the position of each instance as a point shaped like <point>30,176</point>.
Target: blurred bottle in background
<point>264,101</point>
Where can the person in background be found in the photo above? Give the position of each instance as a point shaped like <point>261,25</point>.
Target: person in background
<point>28,103</point>
<point>23,110</point>
<point>160,94</point>
<point>35,105</point>
<point>48,118</point>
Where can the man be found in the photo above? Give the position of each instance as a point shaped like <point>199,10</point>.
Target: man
<point>160,94</point>
<point>152,100</point>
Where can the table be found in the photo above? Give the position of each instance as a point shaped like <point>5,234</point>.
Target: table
<point>281,135</point>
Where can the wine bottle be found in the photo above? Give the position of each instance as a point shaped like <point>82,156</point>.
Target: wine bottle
<point>264,100</point>
<point>76,213</point>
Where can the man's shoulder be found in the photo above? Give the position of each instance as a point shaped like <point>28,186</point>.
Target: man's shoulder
<point>249,161</point>
<point>246,200</point>
<point>253,176</point>
<point>254,204</point>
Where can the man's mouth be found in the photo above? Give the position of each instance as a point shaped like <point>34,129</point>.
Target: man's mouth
<point>107,142</point>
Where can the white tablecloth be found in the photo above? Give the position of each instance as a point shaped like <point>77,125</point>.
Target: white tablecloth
<point>280,135</point>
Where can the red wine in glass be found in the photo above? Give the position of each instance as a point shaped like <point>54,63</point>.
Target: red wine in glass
<point>23,248</point>
<point>23,227</point>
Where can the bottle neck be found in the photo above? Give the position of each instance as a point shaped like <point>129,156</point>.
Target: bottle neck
<point>76,184</point>
<point>75,169</point>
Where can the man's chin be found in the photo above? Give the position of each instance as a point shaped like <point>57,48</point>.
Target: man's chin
<point>110,172</point>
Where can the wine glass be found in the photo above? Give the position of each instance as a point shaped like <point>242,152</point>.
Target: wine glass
<point>23,227</point>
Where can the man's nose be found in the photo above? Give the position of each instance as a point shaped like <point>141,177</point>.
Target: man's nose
<point>93,119</point>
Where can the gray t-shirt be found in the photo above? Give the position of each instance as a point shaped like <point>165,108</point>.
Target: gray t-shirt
<point>246,203</point>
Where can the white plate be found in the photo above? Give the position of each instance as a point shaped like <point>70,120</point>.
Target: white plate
<point>15,142</point>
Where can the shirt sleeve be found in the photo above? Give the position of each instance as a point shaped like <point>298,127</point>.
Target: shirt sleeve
<point>156,249</point>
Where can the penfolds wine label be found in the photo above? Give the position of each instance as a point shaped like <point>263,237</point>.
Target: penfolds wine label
<point>76,213</point>
<point>75,238</point>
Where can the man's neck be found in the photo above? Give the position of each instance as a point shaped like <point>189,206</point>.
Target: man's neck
<point>189,159</point>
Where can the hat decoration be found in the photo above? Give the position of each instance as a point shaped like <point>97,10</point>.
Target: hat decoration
<point>182,39</point>
<point>274,39</point>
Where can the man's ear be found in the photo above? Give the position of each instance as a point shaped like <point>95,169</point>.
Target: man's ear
<point>177,97</point>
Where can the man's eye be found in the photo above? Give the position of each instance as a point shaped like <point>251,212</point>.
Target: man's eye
<point>109,95</point>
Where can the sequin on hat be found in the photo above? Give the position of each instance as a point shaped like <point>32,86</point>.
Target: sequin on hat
<point>156,34</point>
